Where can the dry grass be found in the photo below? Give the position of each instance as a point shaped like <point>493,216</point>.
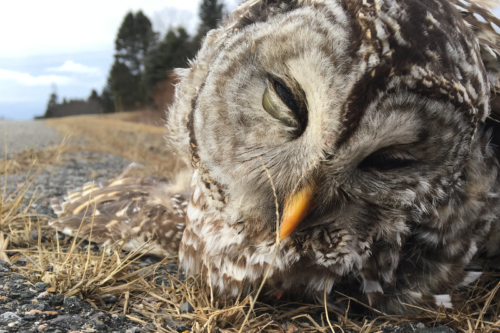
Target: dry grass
<point>130,135</point>
<point>73,271</point>
<point>25,160</point>
<point>70,270</point>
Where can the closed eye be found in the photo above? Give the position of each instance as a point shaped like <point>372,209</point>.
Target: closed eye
<point>382,160</point>
<point>286,96</point>
<point>285,104</point>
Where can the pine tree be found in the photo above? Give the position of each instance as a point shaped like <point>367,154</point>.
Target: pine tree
<point>172,52</point>
<point>51,105</point>
<point>127,89</point>
<point>94,95</point>
<point>210,12</point>
<point>134,41</point>
<point>107,99</point>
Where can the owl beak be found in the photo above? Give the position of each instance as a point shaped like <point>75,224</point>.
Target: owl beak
<point>297,206</point>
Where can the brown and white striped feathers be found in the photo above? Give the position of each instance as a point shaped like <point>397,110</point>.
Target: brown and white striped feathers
<point>361,128</point>
<point>136,210</point>
<point>358,133</point>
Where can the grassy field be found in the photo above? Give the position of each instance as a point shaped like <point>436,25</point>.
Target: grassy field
<point>72,270</point>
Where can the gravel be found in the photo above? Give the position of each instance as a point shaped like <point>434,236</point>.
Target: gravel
<point>415,328</point>
<point>186,307</point>
<point>83,167</point>
<point>24,134</point>
<point>26,308</point>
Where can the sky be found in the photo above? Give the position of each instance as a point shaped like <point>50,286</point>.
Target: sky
<point>67,46</point>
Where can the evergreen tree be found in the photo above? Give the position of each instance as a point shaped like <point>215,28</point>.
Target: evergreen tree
<point>134,40</point>
<point>94,95</point>
<point>211,12</point>
<point>125,88</point>
<point>172,52</point>
<point>107,100</point>
<point>51,105</point>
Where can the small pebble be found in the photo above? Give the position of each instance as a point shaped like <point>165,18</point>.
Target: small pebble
<point>111,299</point>
<point>186,307</point>
<point>26,294</point>
<point>30,318</point>
<point>93,247</point>
<point>51,313</point>
<point>34,306</point>
<point>134,330</point>
<point>56,300</point>
<point>34,236</point>
<point>182,328</point>
<point>40,286</point>
<point>17,277</point>
<point>73,304</point>
<point>4,266</point>
<point>51,289</point>
<point>59,236</point>
<point>9,316</point>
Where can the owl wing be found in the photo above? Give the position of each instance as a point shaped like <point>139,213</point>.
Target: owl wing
<point>136,209</point>
<point>486,26</point>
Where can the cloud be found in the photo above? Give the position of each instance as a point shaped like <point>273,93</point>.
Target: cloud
<point>73,67</point>
<point>30,80</point>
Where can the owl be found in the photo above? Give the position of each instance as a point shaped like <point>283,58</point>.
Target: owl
<point>327,140</point>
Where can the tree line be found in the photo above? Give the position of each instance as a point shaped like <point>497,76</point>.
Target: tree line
<point>142,61</point>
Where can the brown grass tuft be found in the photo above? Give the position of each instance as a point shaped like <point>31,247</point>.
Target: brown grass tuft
<point>129,135</point>
<point>25,160</point>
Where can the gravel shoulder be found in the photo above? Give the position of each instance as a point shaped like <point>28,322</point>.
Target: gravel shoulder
<point>26,306</point>
<point>82,167</point>
<point>26,134</point>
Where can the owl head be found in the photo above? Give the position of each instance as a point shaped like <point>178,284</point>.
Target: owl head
<point>349,114</point>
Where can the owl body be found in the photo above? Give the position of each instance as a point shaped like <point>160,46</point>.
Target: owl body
<point>389,138</point>
<point>334,139</point>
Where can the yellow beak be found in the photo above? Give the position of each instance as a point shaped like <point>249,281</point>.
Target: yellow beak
<point>297,206</point>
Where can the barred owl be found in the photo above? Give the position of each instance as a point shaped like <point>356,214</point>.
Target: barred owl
<point>331,140</point>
